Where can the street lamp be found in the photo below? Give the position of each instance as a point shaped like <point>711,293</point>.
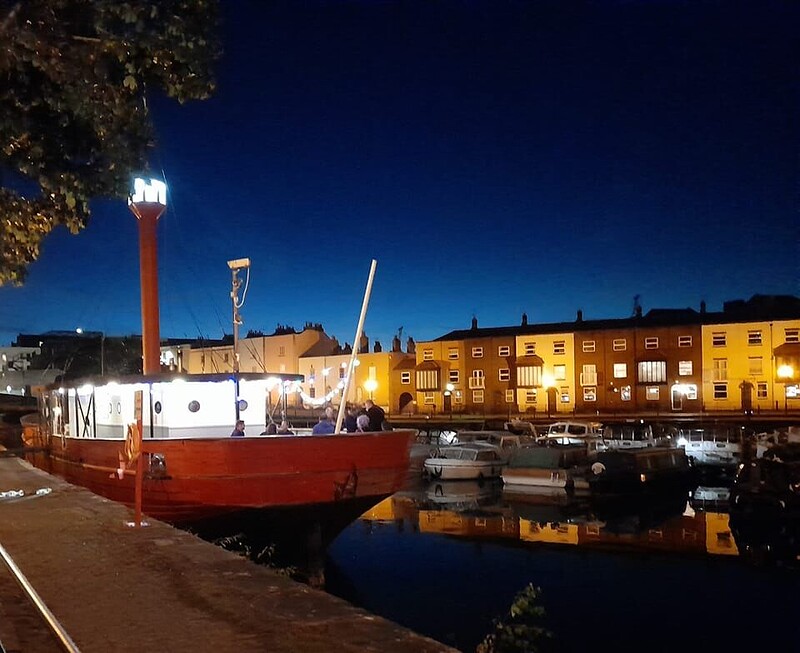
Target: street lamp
<point>786,374</point>
<point>370,385</point>
<point>448,393</point>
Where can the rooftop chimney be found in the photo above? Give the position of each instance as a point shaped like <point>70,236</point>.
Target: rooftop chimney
<point>580,316</point>
<point>474,322</point>
<point>702,306</point>
<point>524,319</point>
<point>638,311</point>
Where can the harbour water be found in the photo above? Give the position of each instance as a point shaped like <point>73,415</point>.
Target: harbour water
<point>672,572</point>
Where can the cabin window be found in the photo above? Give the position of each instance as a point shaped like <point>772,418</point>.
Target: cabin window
<point>530,348</point>
<point>477,352</point>
<point>720,369</point>
<point>684,341</point>
<point>791,335</point>
<point>452,353</point>
<point>653,372</point>
<point>720,391</point>
<point>428,398</point>
<point>719,339</point>
<point>620,370</point>
<point>477,396</point>
<point>755,365</point>
<point>194,406</point>
<point>761,390</point>
<point>754,337</point>
<point>504,374</point>
<point>588,346</point>
<point>157,407</point>
<point>405,378</point>
<point>243,404</point>
<point>509,396</point>
<point>560,372</point>
<point>625,393</point>
<point>684,368</point>
<point>559,347</point>
<point>590,393</point>
<point>619,344</point>
<point>651,393</point>
<point>427,354</point>
<point>454,376</point>
<point>589,375</point>
<point>504,350</point>
<point>651,343</point>
<point>110,408</point>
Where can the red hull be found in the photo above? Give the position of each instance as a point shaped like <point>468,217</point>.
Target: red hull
<point>211,477</point>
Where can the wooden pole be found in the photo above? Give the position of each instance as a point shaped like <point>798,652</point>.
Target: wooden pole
<point>137,502</point>
<point>351,365</point>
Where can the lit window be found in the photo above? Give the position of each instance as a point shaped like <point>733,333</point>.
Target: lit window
<point>589,375</point>
<point>684,341</point>
<point>477,352</point>
<point>652,372</point>
<point>590,393</point>
<point>477,396</point>
<point>504,374</point>
<point>791,335</point>
<point>454,376</point>
<point>560,372</point>
<point>504,350</point>
<point>651,343</point>
<point>755,365</point>
<point>428,398</point>
<point>720,370</point>
<point>458,397</point>
<point>684,368</point>
<point>452,353</point>
<point>564,395</point>
<point>619,344</point>
<point>559,347</point>
<point>530,397</point>
<point>651,393</point>
<point>625,393</point>
<point>620,370</point>
<point>720,391</point>
<point>509,396</point>
<point>477,379</point>
<point>405,378</point>
<point>719,339</point>
<point>588,346</point>
<point>761,390</point>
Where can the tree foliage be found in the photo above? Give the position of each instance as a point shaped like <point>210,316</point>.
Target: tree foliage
<point>74,75</point>
<point>522,629</point>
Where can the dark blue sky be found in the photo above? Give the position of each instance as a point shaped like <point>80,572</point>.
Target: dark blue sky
<point>494,157</point>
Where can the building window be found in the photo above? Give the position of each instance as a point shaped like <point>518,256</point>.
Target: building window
<point>754,337</point>
<point>590,393</point>
<point>755,365</point>
<point>720,391</point>
<point>477,396</point>
<point>427,380</point>
<point>651,393</point>
<point>791,335</point>
<point>458,398</point>
<point>690,391</point>
<point>405,378</point>
<point>429,398</point>
<point>504,350</point>
<point>477,352</point>
<point>476,380</point>
<point>504,374</point>
<point>427,354</point>
<point>684,368</point>
<point>560,372</point>
<point>684,341</point>
<point>454,376</point>
<point>509,396</point>
<point>625,393</point>
<point>452,353</point>
<point>620,370</point>
<point>530,397</point>
<point>761,390</point>
<point>653,372</point>
<point>619,344</point>
<point>564,395</point>
<point>589,375</point>
<point>529,376</point>
<point>651,343</point>
<point>720,370</point>
<point>281,351</point>
<point>588,346</point>
<point>530,348</point>
<point>719,339</point>
<point>559,347</point>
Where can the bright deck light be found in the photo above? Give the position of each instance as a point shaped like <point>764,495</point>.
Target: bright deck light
<point>154,192</point>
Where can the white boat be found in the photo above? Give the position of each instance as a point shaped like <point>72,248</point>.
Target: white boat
<point>629,435</point>
<point>470,460</point>
<point>506,443</point>
<point>782,435</point>
<point>715,446</point>
<point>564,433</point>
<point>556,467</point>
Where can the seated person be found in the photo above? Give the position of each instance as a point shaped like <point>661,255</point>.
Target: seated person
<point>324,427</point>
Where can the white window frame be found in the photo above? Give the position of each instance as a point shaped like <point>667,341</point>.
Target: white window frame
<point>619,344</point>
<point>755,338</point>
<point>405,378</point>
<point>560,372</point>
<point>652,372</point>
<point>427,354</point>
<point>588,376</point>
<point>454,376</point>
<point>719,390</point>
<point>509,396</point>
<point>559,347</point>
<point>477,380</point>
<point>477,352</point>
<point>530,349</point>
<point>755,365</point>
<point>762,390</point>
<point>588,346</point>
<point>719,371</point>
<point>531,395</point>
<point>620,370</point>
<point>719,338</point>
<point>504,350</point>
<point>452,353</point>
<point>625,393</point>
<point>684,341</point>
<point>651,342</point>
<point>477,396</point>
<point>791,335</point>
<point>685,368</point>
<point>428,398</point>
<point>504,374</point>
<point>590,393</point>
<point>651,393</point>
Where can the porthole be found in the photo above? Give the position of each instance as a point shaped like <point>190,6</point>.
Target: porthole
<point>110,408</point>
<point>242,404</point>
<point>194,406</point>
<point>119,408</point>
<point>157,407</point>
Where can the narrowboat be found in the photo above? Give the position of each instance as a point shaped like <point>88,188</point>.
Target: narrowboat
<point>557,467</point>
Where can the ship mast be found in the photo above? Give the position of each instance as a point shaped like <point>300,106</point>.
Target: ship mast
<point>236,283</point>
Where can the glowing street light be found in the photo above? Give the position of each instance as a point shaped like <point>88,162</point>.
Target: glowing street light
<point>370,385</point>
<point>786,374</point>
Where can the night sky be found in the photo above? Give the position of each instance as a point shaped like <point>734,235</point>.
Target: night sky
<point>494,157</point>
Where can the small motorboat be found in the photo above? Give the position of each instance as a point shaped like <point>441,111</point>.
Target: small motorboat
<point>470,460</point>
<point>556,466</point>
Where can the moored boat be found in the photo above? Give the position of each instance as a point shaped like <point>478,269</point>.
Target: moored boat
<point>770,484</point>
<point>470,460</point>
<point>635,470</point>
<point>192,468</point>
<point>556,467</point>
<point>719,446</point>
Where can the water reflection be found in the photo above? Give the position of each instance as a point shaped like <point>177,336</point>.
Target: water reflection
<point>676,522</point>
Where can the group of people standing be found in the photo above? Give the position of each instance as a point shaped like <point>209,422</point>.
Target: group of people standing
<point>356,420</point>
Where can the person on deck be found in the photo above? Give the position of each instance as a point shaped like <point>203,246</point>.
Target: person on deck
<point>362,423</point>
<point>350,424</point>
<point>284,429</point>
<point>238,430</point>
<point>324,427</point>
<point>375,414</point>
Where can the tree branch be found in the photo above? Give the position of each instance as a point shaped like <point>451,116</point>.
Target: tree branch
<point>10,17</point>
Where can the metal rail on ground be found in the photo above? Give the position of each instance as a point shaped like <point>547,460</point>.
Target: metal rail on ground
<point>58,630</point>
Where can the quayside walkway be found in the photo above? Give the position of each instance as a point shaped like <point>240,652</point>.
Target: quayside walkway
<point>115,588</point>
